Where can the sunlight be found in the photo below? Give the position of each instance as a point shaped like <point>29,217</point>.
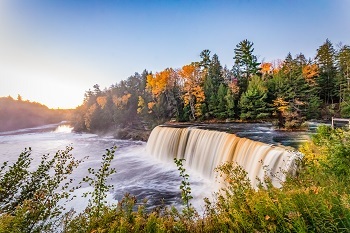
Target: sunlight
<point>63,129</point>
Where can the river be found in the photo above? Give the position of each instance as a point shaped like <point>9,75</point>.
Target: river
<point>138,173</point>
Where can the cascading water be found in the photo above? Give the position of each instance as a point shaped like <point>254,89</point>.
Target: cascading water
<point>204,150</point>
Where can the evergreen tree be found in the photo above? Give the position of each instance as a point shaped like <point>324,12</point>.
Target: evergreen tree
<point>230,100</point>
<point>205,55</point>
<point>221,108</point>
<point>343,66</point>
<point>253,102</point>
<point>325,59</point>
<point>246,63</point>
<point>212,82</point>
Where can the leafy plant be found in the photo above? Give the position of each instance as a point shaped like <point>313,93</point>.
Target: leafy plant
<point>98,180</point>
<point>32,201</point>
<point>185,187</point>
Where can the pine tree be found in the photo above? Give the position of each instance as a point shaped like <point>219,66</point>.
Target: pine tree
<point>253,102</point>
<point>246,63</point>
<point>212,82</point>
<point>325,59</point>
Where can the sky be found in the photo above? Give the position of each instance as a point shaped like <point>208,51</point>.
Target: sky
<point>52,51</point>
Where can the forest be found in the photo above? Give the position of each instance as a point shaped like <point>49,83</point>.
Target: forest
<point>18,114</point>
<point>286,92</point>
<point>315,197</point>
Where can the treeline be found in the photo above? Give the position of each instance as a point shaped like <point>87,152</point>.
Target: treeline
<point>289,91</point>
<point>19,114</point>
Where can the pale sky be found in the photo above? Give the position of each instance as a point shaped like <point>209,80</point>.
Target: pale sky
<point>52,51</point>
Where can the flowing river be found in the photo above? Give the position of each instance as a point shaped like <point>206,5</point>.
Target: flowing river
<point>138,173</point>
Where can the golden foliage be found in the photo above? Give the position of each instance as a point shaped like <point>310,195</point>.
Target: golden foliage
<point>159,82</point>
<point>140,105</point>
<point>310,72</point>
<point>266,67</point>
<point>234,87</point>
<point>120,102</point>
<point>281,104</point>
<point>102,100</point>
<point>193,91</point>
<point>150,105</point>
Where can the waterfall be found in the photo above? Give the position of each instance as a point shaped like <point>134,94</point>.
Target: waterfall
<point>204,150</point>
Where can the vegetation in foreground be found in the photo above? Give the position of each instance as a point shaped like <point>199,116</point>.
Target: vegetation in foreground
<point>314,199</point>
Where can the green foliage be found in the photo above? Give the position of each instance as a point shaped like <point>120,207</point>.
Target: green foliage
<point>253,101</point>
<point>314,198</point>
<point>245,59</point>
<point>314,88</point>
<point>335,145</point>
<point>99,182</point>
<point>325,58</point>
<point>31,201</point>
<point>185,188</point>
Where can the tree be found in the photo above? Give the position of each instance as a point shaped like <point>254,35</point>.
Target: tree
<point>266,68</point>
<point>163,87</point>
<point>205,55</point>
<point>221,110</point>
<point>325,59</point>
<point>19,97</point>
<point>230,100</point>
<point>212,81</point>
<point>246,64</point>
<point>343,67</point>
<point>253,102</point>
<point>193,89</point>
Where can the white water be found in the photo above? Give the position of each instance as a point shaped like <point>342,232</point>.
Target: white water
<point>150,172</point>
<point>204,150</point>
<point>138,173</point>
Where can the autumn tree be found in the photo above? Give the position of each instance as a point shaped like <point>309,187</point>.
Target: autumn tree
<point>193,89</point>
<point>163,87</point>
<point>266,68</point>
<point>312,101</point>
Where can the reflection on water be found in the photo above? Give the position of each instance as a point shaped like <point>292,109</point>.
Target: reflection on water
<point>262,132</point>
<point>64,129</point>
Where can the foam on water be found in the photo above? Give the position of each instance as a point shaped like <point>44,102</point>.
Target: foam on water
<point>138,173</point>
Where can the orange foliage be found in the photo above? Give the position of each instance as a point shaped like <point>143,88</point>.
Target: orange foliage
<point>234,88</point>
<point>159,82</point>
<point>150,105</point>
<point>281,105</point>
<point>266,67</point>
<point>194,93</point>
<point>102,100</point>
<point>276,66</point>
<point>121,101</point>
<point>310,72</point>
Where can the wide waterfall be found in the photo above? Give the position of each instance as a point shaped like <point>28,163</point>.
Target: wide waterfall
<point>204,150</point>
